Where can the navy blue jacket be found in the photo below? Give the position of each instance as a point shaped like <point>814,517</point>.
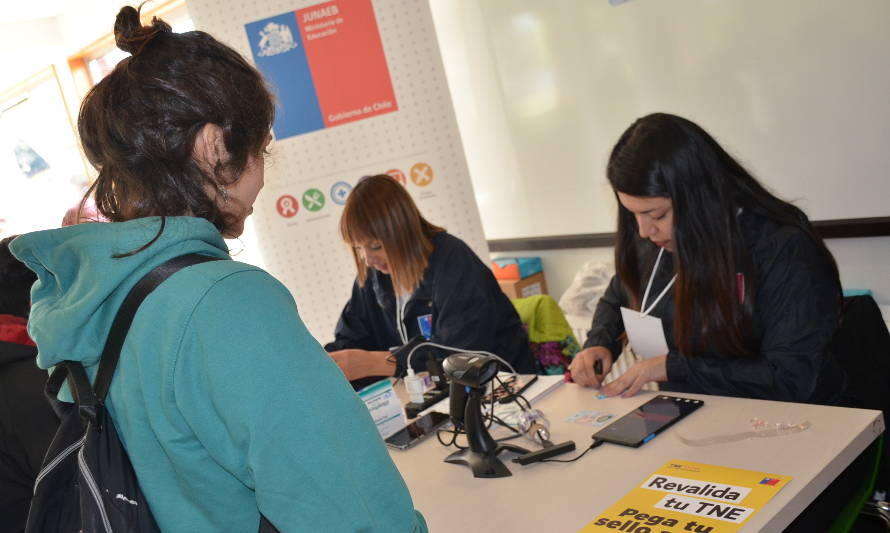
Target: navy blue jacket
<point>467,307</point>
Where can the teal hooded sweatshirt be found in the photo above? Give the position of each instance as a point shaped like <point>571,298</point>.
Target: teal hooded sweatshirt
<point>227,406</point>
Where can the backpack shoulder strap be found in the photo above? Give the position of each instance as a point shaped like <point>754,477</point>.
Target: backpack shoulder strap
<point>78,385</point>
<point>124,318</point>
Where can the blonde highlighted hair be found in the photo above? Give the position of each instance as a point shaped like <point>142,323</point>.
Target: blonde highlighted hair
<point>379,209</point>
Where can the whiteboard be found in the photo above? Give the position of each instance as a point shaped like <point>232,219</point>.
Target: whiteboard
<point>797,90</point>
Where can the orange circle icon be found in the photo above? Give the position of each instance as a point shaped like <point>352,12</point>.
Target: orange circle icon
<point>421,174</point>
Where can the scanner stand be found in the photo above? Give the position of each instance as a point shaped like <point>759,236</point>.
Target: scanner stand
<point>482,454</point>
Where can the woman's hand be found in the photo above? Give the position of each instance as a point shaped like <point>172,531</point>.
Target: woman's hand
<point>356,363</point>
<point>583,363</point>
<point>629,383</point>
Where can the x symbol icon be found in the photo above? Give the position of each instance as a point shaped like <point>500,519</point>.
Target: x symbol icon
<point>312,199</point>
<point>421,174</point>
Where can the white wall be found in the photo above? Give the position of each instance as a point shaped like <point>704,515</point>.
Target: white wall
<point>796,89</point>
<point>478,104</point>
<point>26,48</point>
<point>87,20</point>
<point>542,63</point>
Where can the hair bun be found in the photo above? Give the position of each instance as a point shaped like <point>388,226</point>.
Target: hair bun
<point>129,33</point>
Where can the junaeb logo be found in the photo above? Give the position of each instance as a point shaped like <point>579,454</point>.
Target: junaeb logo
<point>326,65</point>
<point>275,39</point>
<point>280,54</point>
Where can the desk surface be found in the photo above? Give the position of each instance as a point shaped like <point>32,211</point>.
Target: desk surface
<point>565,497</point>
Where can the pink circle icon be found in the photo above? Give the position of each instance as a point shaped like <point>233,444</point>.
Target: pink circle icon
<point>397,175</point>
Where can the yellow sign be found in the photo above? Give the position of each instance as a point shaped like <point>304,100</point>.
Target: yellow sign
<point>683,496</point>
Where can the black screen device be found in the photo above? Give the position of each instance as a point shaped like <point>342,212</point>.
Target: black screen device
<point>416,431</point>
<point>643,423</point>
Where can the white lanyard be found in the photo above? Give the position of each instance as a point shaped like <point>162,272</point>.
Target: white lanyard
<point>643,310</point>
<point>401,303</point>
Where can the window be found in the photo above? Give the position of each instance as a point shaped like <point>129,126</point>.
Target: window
<point>41,166</point>
<point>101,59</point>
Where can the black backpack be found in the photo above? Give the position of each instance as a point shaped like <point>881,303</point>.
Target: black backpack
<point>87,484</point>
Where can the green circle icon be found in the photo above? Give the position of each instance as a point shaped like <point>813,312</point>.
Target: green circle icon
<point>313,199</point>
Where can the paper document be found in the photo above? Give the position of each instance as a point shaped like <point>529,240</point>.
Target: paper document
<point>645,333</point>
<point>384,406</point>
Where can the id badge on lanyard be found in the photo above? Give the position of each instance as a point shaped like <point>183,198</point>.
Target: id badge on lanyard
<point>646,333</point>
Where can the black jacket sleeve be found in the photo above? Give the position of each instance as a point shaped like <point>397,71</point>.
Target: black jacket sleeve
<point>353,327</point>
<point>796,310</point>
<point>472,312</point>
<point>464,308</point>
<point>607,324</point>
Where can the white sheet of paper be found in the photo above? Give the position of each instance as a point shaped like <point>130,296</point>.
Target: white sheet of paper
<point>645,333</point>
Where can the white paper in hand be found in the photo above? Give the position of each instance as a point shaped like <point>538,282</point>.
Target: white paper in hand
<point>645,333</point>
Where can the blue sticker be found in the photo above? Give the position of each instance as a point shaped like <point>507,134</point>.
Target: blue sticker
<point>425,322</point>
<point>339,192</point>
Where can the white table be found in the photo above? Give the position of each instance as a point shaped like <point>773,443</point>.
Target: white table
<point>556,497</point>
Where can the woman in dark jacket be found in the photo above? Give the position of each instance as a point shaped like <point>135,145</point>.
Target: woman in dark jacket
<point>414,279</point>
<point>747,293</point>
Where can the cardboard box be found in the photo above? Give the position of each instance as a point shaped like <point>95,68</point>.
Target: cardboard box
<point>513,268</point>
<point>522,288</point>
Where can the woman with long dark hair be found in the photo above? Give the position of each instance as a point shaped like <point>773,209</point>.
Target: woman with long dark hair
<point>415,279</point>
<point>226,405</point>
<point>746,291</point>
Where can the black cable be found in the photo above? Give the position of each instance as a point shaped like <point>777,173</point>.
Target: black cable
<point>596,443</point>
<point>454,434</point>
<point>528,405</point>
<point>511,394</point>
<point>489,417</point>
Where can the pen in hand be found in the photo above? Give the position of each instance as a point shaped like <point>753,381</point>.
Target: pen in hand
<point>598,367</point>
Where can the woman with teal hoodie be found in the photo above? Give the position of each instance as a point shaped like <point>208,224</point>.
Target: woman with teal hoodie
<point>226,405</point>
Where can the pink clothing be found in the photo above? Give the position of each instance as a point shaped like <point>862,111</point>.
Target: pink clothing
<point>82,213</point>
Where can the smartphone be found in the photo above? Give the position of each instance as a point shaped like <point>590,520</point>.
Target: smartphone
<point>417,431</point>
<point>643,423</point>
<point>511,387</point>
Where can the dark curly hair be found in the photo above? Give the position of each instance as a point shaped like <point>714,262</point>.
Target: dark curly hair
<point>138,125</point>
<point>15,282</point>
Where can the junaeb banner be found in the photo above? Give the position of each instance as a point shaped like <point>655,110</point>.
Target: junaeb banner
<point>326,64</point>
